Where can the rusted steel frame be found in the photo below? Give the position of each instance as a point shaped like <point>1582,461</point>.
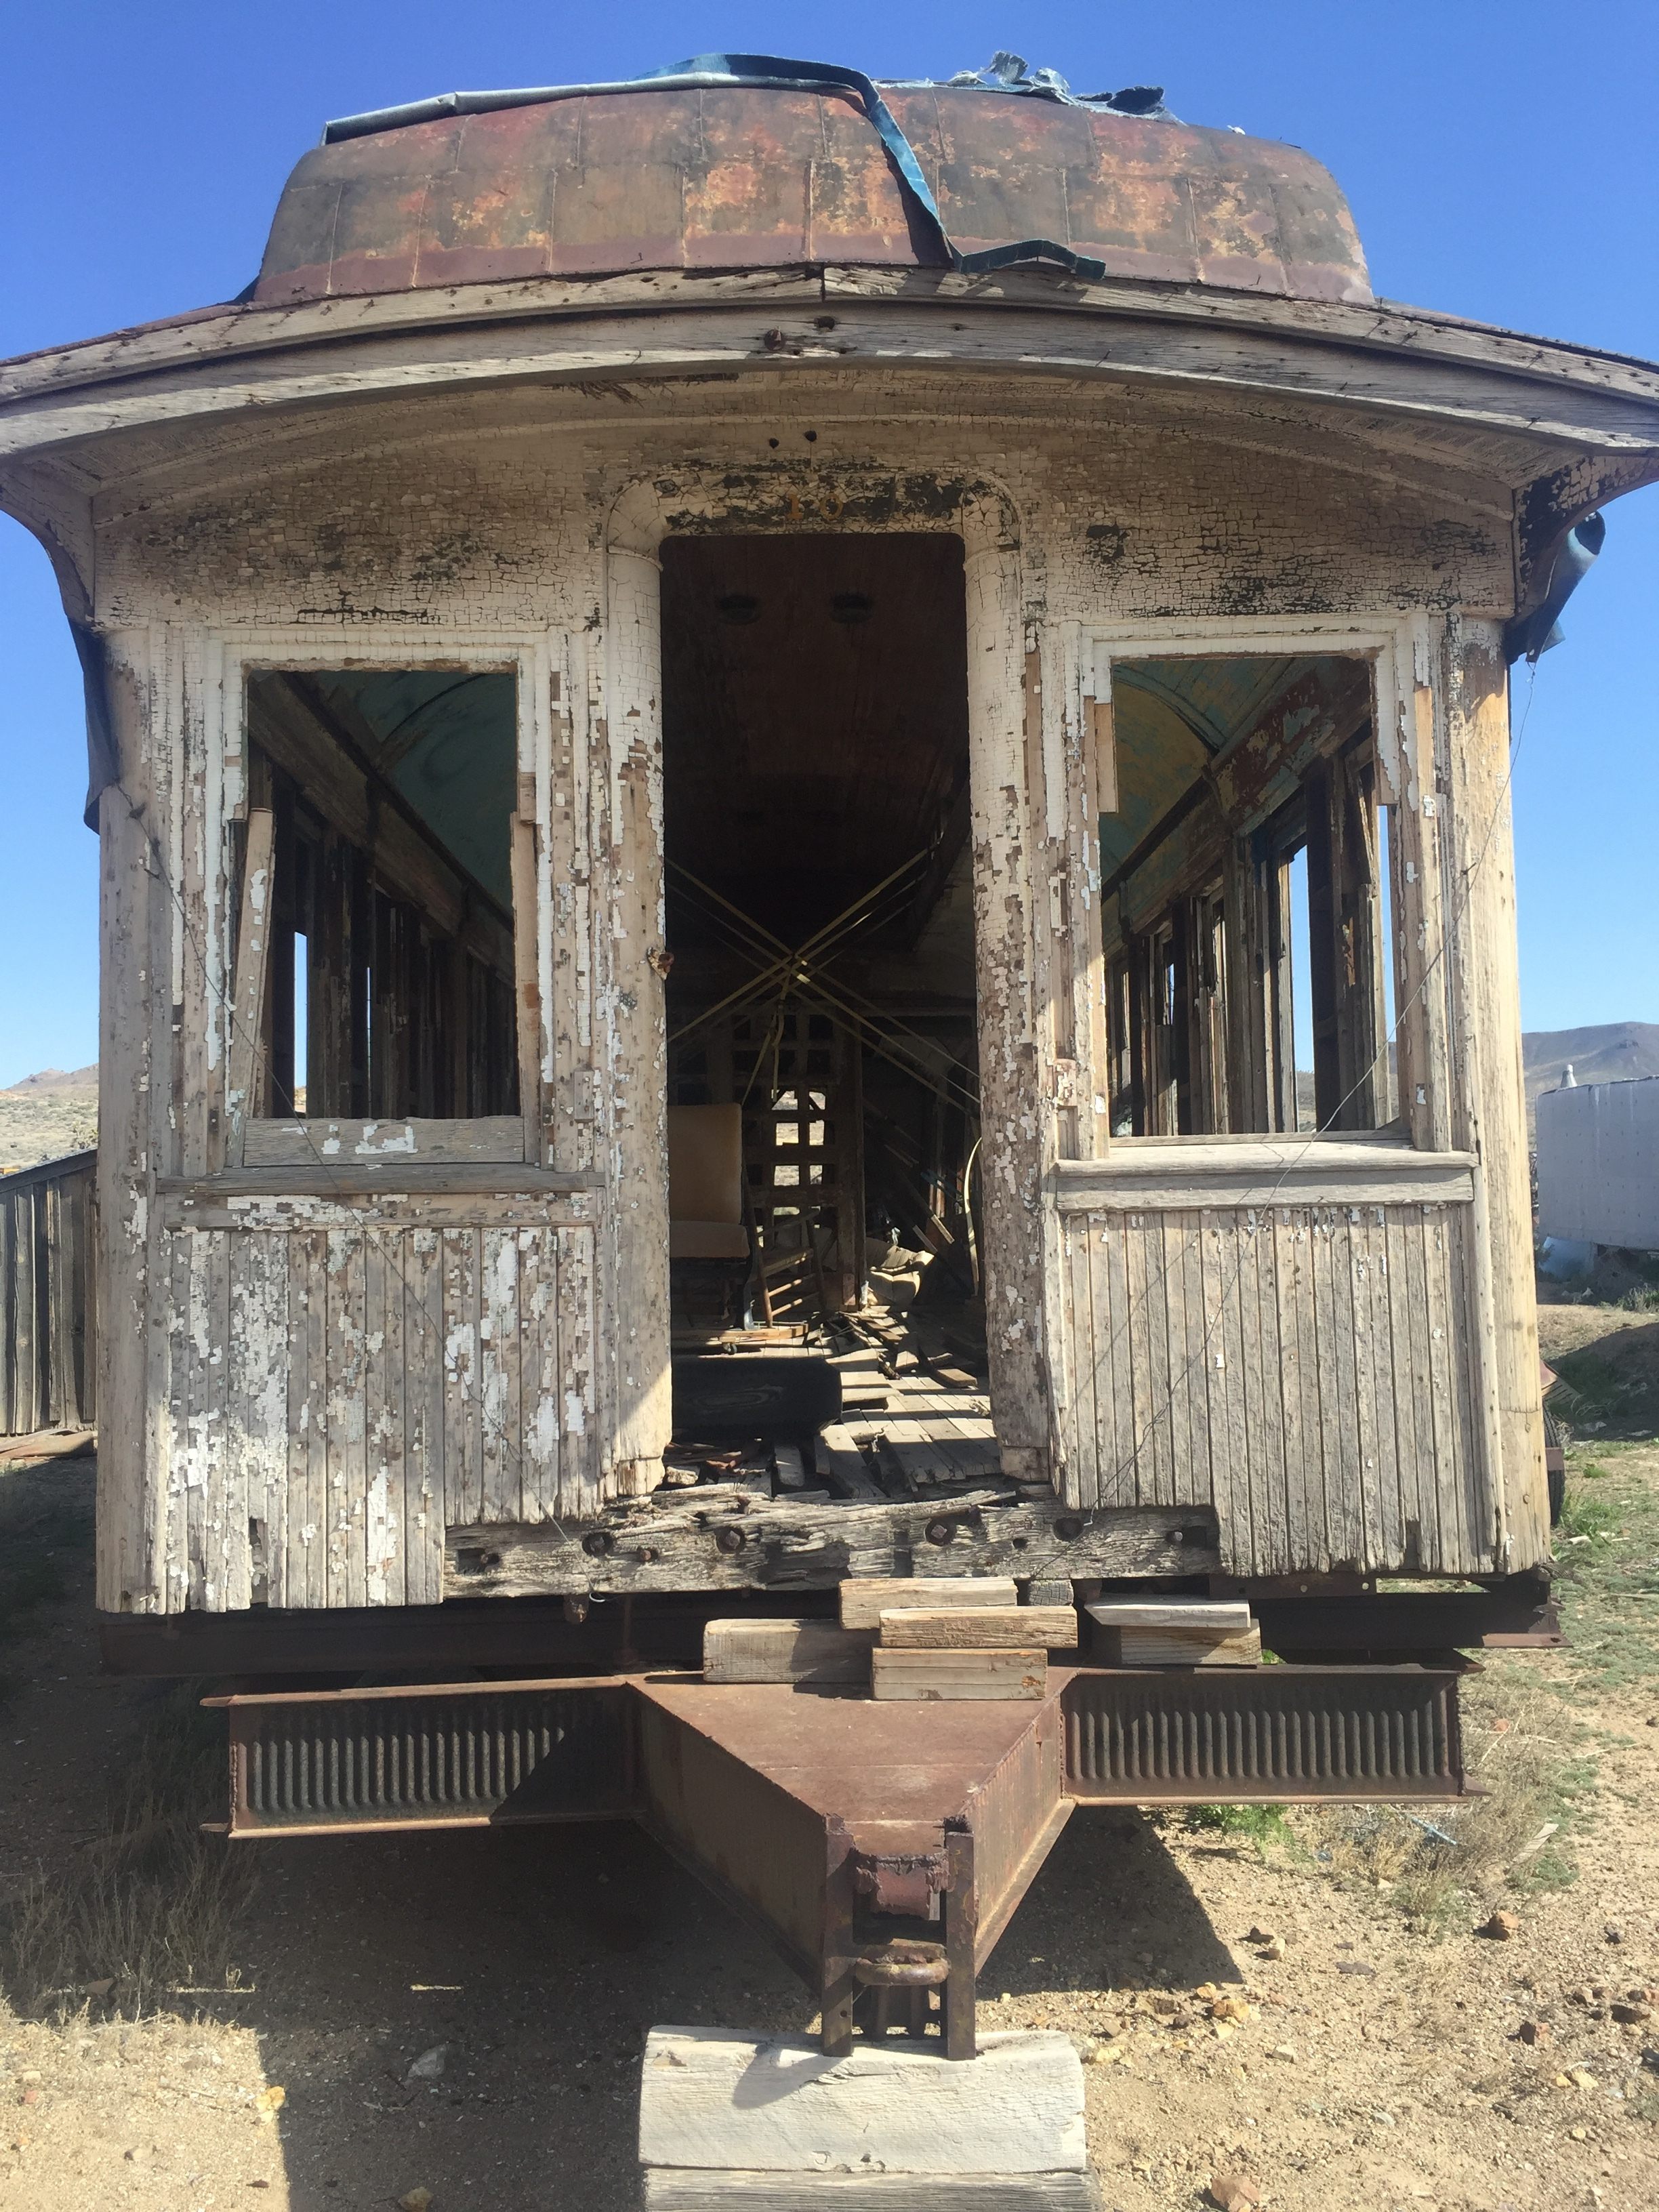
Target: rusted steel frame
<point>464,1754</point>
<point>1298,1735</point>
<point>523,1635</point>
<point>1407,1622</point>
<point>962,1947</point>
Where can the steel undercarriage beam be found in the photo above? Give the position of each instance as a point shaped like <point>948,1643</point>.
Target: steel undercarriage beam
<point>882,1847</point>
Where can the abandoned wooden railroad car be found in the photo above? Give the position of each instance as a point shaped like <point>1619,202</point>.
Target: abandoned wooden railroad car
<point>807,874</point>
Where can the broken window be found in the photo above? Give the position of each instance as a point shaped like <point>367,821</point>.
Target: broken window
<point>1245,899</point>
<point>391,793</point>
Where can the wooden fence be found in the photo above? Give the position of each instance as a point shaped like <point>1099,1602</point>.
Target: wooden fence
<point>48,1313</point>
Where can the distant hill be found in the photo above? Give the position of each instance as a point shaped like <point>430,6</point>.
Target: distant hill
<point>1616,1051</point>
<point>48,1114</point>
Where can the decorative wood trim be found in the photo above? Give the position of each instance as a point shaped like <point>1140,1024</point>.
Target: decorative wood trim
<point>1159,1175</point>
<point>302,1144</point>
<point>245,1080</point>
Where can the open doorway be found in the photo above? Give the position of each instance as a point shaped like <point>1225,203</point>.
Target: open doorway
<point>823,1061</point>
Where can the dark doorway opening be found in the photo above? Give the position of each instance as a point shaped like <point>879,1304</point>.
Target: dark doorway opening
<point>823,1061</point>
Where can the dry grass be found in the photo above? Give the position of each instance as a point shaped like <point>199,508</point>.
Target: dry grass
<point>1455,1861</point>
<point>143,1918</point>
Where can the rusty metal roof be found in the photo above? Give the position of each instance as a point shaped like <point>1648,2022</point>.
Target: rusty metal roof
<point>737,176</point>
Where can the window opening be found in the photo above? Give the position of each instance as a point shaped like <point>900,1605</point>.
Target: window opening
<point>391,793</point>
<point>1245,902</point>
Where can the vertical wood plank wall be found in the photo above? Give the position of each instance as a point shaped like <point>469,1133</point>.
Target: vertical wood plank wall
<point>48,1293</point>
<point>1303,1368</point>
<point>338,1391</point>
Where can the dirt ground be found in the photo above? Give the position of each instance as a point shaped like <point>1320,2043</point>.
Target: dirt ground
<point>298,1992</point>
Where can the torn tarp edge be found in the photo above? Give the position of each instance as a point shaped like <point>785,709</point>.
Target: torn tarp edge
<point>756,70</point>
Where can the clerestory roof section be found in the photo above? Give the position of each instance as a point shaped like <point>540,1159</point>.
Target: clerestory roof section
<point>711,170</point>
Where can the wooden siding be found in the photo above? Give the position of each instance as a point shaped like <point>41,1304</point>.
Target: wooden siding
<point>1303,1367</point>
<point>48,1218</point>
<point>338,1392</point>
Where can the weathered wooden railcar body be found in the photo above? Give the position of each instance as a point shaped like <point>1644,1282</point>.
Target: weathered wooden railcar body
<point>338,1350</point>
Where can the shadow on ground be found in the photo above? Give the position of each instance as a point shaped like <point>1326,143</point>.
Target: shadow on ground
<point>530,1961</point>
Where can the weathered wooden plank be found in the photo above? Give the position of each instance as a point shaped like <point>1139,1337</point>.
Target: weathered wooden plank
<point>1441,1379</point>
<point>1286,1224</point>
<point>1011,1155</point>
<point>582,1443</point>
<point>948,1677</point>
<point>692,2189</point>
<point>788,1545</point>
<point>423,1416</point>
<point>308,1324</point>
<point>864,1598</point>
<point>382,1388</point>
<point>348,1442</point>
<point>785,1650</point>
<point>710,2099</point>
<point>1081,1361</point>
<point>1121,1485</point>
<point>977,1628</point>
<point>1234,1502</point>
<point>500,1376</point>
<point>842,1464</point>
<point>463,1456</point>
<point>327,1144</point>
<point>1327,1173</point>
<point>1177,1647</point>
<point>240,1497</point>
<point>177,1459</point>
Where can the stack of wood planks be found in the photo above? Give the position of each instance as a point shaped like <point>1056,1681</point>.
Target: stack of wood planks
<point>1175,1632</point>
<point>970,1639</point>
<point>933,1637</point>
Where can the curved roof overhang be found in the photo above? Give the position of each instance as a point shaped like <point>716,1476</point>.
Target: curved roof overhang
<point>1565,429</point>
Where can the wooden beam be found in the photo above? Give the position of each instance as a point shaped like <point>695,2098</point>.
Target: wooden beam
<point>785,1650</point>
<point>864,1598</point>
<point>953,1676</point>
<point>786,1546</point>
<point>978,1628</point>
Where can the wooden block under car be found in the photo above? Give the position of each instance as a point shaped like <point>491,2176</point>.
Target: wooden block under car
<point>978,1627</point>
<point>1175,1632</point>
<point>942,1677</point>
<point>785,1650</point>
<point>864,1597</point>
<point>770,2123</point>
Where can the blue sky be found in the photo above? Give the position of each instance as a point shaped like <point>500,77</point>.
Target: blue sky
<point>1502,163</point>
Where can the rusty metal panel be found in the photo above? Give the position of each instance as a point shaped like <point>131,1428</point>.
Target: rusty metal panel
<point>1157,1736</point>
<point>754,1842</point>
<point>740,177</point>
<point>465,1754</point>
<point>1015,1814</point>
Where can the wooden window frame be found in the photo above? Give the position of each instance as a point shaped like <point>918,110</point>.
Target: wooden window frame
<point>1402,657</point>
<point>266,1143</point>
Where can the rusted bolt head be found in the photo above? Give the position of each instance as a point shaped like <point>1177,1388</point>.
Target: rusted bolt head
<point>597,1542</point>
<point>729,1539</point>
<point>1068,1529</point>
<point>774,340</point>
<point>823,322</point>
<point>940,1531</point>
